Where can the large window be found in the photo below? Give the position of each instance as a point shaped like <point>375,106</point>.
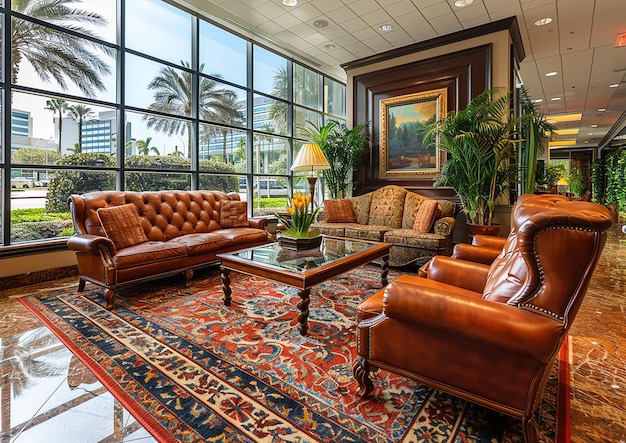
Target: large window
<point>117,99</point>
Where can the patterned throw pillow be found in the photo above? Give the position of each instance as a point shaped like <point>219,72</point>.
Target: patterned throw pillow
<point>233,214</point>
<point>426,215</point>
<point>338,211</point>
<point>122,225</point>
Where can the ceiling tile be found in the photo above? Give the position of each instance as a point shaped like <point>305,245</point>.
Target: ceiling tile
<point>356,24</point>
<point>376,18</point>
<point>343,14</point>
<point>436,10</point>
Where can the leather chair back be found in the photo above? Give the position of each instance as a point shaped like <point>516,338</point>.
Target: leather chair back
<point>549,256</point>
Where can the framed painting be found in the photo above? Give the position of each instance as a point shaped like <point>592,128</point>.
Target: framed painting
<point>403,120</point>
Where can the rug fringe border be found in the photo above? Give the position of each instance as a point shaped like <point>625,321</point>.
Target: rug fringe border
<point>151,425</point>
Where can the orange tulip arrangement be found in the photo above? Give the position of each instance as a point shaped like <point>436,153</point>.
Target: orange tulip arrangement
<point>302,214</point>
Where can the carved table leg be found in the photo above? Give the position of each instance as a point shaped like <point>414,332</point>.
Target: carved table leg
<point>81,285</point>
<point>303,305</point>
<point>384,271</point>
<point>361,371</point>
<point>226,286</point>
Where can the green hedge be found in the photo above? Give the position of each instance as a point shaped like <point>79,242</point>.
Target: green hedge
<point>65,183</point>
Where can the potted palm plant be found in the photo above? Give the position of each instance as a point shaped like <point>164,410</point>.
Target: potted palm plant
<point>479,143</point>
<point>343,148</point>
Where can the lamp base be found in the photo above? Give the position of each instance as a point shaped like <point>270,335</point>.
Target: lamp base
<point>312,180</point>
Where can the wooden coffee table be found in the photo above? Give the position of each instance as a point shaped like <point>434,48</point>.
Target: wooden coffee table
<point>303,269</point>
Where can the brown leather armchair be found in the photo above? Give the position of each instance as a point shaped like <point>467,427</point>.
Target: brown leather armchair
<point>489,334</point>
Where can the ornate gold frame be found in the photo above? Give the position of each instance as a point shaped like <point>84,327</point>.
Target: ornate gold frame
<point>393,165</point>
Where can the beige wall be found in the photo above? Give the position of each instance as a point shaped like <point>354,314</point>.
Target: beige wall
<point>36,262</point>
<point>500,71</point>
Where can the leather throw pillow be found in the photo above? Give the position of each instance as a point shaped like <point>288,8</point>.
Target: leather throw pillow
<point>338,211</point>
<point>233,214</point>
<point>122,225</point>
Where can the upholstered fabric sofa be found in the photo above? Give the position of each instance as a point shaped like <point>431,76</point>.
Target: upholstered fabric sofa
<point>123,238</point>
<point>389,215</point>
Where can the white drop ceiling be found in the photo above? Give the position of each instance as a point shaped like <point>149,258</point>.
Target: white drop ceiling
<point>578,44</point>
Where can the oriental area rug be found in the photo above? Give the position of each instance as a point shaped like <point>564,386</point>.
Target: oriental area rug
<point>191,369</point>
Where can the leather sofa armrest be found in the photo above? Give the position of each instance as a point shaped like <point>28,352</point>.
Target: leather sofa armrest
<point>489,241</point>
<point>478,254</point>
<point>460,273</point>
<point>497,325</point>
<point>258,222</point>
<point>93,244</point>
<point>444,226</point>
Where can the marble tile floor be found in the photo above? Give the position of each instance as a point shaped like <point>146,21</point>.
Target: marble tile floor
<point>47,395</point>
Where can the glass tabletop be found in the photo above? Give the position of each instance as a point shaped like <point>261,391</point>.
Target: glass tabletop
<point>331,250</point>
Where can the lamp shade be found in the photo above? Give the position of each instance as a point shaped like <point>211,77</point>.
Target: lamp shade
<point>310,158</point>
<point>562,182</point>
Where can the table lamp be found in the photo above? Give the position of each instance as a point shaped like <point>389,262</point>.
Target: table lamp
<point>310,157</point>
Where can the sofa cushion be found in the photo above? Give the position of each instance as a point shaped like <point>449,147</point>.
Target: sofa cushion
<point>387,206</point>
<point>413,238</point>
<point>426,215</point>
<point>361,207</point>
<point>122,225</point>
<point>367,232</point>
<point>333,229</point>
<point>147,253</point>
<point>338,211</point>
<point>239,236</point>
<point>202,242</point>
<point>233,214</point>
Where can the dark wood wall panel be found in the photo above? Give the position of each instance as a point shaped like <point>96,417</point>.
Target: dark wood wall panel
<point>464,74</point>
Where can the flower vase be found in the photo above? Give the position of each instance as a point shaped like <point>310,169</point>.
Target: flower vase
<point>299,243</point>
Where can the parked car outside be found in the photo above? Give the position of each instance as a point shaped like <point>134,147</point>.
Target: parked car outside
<point>22,182</point>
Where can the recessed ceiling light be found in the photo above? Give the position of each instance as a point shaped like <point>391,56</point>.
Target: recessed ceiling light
<point>463,3</point>
<point>551,74</point>
<point>290,2</point>
<point>328,47</point>
<point>539,100</point>
<point>319,24</point>
<point>615,85</point>
<point>543,21</point>
<point>594,126</point>
<point>601,109</point>
<point>385,28</point>
<point>555,99</point>
<point>562,132</point>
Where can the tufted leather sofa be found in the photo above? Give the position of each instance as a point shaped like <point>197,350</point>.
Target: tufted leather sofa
<point>387,215</point>
<point>182,230</point>
<point>489,333</point>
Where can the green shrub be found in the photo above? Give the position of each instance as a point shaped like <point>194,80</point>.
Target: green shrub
<point>65,183</point>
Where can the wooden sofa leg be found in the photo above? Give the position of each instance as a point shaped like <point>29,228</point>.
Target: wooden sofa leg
<point>188,277</point>
<point>81,285</point>
<point>109,295</point>
<point>361,371</point>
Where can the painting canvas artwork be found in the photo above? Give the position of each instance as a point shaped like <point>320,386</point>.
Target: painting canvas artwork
<point>402,123</point>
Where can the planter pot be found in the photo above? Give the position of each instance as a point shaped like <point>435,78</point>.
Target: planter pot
<point>299,243</point>
<point>483,229</point>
